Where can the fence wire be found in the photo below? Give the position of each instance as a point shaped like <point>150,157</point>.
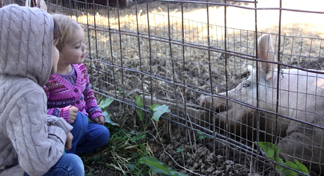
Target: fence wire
<point>173,52</point>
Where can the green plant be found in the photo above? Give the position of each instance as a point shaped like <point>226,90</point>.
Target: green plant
<point>157,109</point>
<point>201,135</point>
<point>139,103</point>
<point>127,152</point>
<point>158,167</point>
<point>270,150</point>
<point>179,150</point>
<point>121,154</point>
<point>104,103</point>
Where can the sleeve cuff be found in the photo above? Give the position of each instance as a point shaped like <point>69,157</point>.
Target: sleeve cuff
<point>96,114</point>
<point>57,132</point>
<point>65,113</point>
<point>59,122</point>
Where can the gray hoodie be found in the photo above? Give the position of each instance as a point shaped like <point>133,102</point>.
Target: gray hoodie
<point>30,140</point>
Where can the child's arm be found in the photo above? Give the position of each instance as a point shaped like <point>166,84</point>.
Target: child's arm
<point>91,103</point>
<point>92,107</point>
<point>38,139</point>
<point>58,112</point>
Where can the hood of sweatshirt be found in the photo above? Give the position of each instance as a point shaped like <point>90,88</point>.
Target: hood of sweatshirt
<point>26,43</point>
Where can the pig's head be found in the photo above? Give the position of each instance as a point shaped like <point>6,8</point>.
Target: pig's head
<point>246,91</point>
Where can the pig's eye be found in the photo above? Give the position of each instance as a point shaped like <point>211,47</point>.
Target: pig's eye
<point>246,84</point>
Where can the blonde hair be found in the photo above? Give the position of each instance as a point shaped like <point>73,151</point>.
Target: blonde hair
<point>67,26</point>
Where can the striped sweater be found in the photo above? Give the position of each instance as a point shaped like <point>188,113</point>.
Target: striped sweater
<point>62,95</point>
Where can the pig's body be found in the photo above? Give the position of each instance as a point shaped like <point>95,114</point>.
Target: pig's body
<point>301,96</point>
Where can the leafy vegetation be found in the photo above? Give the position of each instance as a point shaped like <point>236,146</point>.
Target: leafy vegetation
<point>104,103</point>
<point>271,150</point>
<point>158,167</point>
<point>127,152</point>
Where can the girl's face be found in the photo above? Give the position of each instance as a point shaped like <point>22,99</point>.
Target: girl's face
<point>74,50</point>
<point>55,58</point>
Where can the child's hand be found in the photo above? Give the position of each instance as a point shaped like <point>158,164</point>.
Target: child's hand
<point>68,143</point>
<point>100,120</point>
<point>72,114</point>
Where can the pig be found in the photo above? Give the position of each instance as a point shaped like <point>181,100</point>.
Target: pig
<point>301,97</point>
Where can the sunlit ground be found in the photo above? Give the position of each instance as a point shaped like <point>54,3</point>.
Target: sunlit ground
<point>240,23</point>
<point>310,23</point>
<point>292,23</point>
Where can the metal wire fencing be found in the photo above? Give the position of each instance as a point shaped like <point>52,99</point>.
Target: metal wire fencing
<point>194,57</point>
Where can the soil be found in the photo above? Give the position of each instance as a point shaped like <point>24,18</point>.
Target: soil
<point>199,159</point>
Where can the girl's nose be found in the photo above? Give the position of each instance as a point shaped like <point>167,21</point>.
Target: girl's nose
<point>84,46</point>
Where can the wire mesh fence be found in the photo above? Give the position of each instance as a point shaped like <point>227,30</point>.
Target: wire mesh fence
<point>193,56</point>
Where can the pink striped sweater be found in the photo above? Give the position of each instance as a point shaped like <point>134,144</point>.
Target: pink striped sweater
<point>62,95</point>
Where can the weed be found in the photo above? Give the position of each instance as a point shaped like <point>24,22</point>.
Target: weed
<point>158,167</point>
<point>127,152</point>
<point>202,135</point>
<point>104,103</point>
<point>269,150</point>
<point>180,150</point>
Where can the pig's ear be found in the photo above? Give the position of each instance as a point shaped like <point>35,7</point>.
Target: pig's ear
<point>250,69</point>
<point>36,3</point>
<point>266,52</point>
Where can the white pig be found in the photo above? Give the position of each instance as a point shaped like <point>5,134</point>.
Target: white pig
<point>301,96</point>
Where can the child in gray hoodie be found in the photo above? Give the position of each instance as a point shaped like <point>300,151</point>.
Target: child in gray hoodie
<point>32,142</point>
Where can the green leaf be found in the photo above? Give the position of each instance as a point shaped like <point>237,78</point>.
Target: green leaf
<point>291,165</point>
<point>139,103</point>
<point>180,150</point>
<point>108,119</point>
<point>159,110</point>
<point>280,168</point>
<point>105,103</point>
<point>285,171</point>
<point>139,112</point>
<point>174,173</point>
<point>301,167</point>
<point>268,149</point>
<point>131,167</point>
<point>279,160</point>
<point>201,135</point>
<point>289,172</point>
<point>105,113</point>
<point>153,106</point>
<point>158,167</point>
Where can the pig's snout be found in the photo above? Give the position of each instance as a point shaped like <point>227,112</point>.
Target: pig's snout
<point>217,105</point>
<point>205,101</point>
<point>202,100</point>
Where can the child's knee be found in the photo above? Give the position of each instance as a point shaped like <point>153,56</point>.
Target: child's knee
<point>81,121</point>
<point>104,134</point>
<point>76,165</point>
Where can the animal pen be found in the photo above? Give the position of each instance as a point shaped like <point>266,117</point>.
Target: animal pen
<point>181,53</point>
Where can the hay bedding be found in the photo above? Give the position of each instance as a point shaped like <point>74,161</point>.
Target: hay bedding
<point>183,65</point>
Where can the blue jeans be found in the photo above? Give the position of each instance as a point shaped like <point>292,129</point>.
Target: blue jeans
<point>87,136</point>
<point>67,165</point>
